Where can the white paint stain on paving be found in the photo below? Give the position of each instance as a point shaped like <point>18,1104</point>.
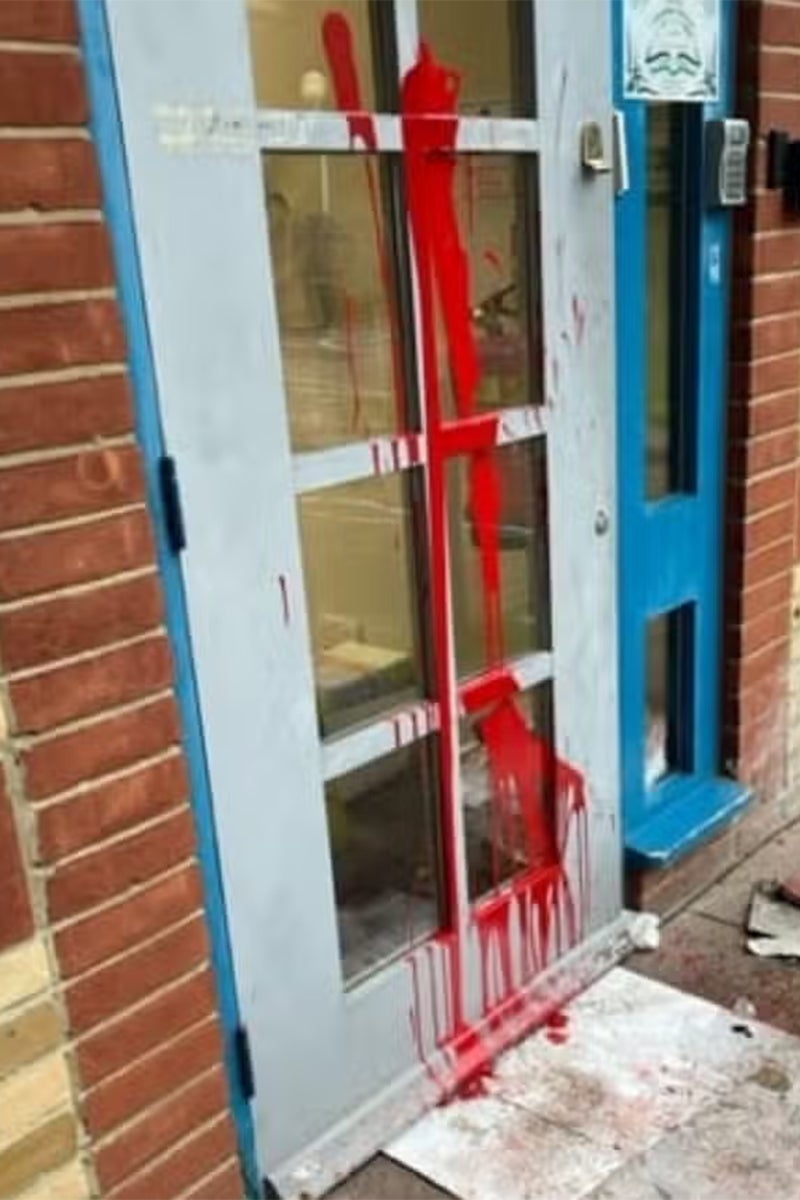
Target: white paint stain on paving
<point>655,1095</point>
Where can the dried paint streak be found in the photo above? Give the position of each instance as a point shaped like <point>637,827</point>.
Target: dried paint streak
<point>337,39</point>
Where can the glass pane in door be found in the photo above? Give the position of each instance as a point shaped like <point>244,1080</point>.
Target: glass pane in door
<point>500,839</point>
<point>360,591</point>
<point>290,67</point>
<point>385,853</point>
<point>659,320</point>
<point>522,548</point>
<point>497,212</point>
<point>333,273</point>
<point>484,40</point>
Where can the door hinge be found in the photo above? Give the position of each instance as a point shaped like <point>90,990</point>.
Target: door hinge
<point>244,1062</point>
<point>171,499</point>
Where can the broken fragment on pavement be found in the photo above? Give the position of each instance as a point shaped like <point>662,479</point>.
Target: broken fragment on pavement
<point>774,921</point>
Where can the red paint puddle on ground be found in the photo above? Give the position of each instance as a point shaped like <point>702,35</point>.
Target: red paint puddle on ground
<point>538,802</point>
<point>557,1028</point>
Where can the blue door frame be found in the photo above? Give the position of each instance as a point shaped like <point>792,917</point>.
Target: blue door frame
<point>672,549</point>
<point>107,133</point>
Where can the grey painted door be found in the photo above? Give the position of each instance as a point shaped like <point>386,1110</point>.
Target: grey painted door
<point>383,346</point>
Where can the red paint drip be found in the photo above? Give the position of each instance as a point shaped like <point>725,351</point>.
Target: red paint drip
<point>494,258</point>
<point>536,799</point>
<point>557,1025</point>
<point>337,39</point>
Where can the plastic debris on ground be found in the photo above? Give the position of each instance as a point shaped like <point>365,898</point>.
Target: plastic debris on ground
<point>773,921</point>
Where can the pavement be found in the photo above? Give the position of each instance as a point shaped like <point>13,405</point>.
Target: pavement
<point>738,1138</point>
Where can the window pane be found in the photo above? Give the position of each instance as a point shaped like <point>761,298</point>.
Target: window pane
<point>333,280</point>
<point>498,839</point>
<point>497,210</point>
<point>485,40</point>
<point>659,205</point>
<point>523,555</point>
<point>668,720</point>
<point>290,68</point>
<point>384,846</point>
<point>359,587</point>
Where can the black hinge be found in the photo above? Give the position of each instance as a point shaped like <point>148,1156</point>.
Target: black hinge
<point>241,1048</point>
<point>171,498</point>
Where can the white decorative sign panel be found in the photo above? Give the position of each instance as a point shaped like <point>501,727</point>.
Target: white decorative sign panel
<point>671,49</point>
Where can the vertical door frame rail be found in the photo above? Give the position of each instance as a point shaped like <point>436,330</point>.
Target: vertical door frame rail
<point>106,128</point>
<point>671,549</point>
<point>228,431</point>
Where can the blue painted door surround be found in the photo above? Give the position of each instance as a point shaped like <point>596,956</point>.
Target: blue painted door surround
<point>672,548</point>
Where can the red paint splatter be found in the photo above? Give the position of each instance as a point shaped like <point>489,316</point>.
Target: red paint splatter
<point>337,39</point>
<point>557,1025</point>
<point>282,584</point>
<point>539,802</point>
<point>494,258</point>
<point>536,799</point>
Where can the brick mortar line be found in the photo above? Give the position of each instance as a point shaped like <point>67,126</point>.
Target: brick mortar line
<point>763,583</point>
<point>782,314</point>
<point>760,437</point>
<point>35,218</point>
<point>784,606</point>
<point>223,1166</point>
<point>750,656</point>
<point>18,533</point>
<point>84,785</point>
<point>763,397</point>
<point>739,521</point>
<point>121,1129</point>
<point>46,454</point>
<point>779,357</point>
<point>199,1130</point>
<point>86,656</point>
<point>755,277</point>
<point>23,379</point>
<point>32,741</point>
<point>134,948</point>
<point>13,301</point>
<point>74,1042</point>
<point>47,870</point>
<point>31,46</point>
<point>79,589</point>
<point>35,133</point>
<point>209,1018</point>
<point>87,786</point>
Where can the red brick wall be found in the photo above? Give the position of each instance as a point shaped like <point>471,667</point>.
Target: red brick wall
<point>96,768</point>
<point>764,481</point>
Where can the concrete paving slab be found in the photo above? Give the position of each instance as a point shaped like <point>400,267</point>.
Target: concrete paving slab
<point>642,1065</point>
<point>709,959</point>
<point>729,899</point>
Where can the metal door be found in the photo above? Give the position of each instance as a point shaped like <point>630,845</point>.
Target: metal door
<point>381,310</point>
